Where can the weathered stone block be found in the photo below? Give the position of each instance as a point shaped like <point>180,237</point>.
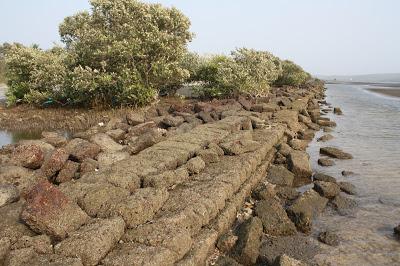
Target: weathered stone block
<point>50,212</point>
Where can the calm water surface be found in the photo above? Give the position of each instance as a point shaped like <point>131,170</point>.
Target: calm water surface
<point>370,130</point>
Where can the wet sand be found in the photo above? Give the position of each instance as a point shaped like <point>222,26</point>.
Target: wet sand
<point>394,92</point>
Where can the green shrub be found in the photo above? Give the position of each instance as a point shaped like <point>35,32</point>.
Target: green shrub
<point>148,41</point>
<point>34,75</point>
<point>122,52</point>
<point>245,71</point>
<point>292,75</point>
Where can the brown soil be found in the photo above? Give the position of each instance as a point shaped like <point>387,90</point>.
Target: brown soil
<point>29,118</point>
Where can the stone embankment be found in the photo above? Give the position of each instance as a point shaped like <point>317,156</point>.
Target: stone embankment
<point>186,185</point>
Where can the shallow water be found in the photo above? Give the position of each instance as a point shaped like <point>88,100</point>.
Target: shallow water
<point>370,131</point>
<point>8,137</point>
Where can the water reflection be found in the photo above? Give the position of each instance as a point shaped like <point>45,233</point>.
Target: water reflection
<point>7,137</point>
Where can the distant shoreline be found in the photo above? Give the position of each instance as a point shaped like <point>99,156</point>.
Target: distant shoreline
<point>394,92</point>
<point>380,84</point>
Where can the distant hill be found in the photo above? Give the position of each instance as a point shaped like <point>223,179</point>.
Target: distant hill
<point>390,77</point>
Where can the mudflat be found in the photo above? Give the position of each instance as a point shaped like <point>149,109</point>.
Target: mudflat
<point>393,92</point>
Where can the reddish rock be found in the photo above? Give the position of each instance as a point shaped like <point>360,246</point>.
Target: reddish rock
<point>49,211</point>
<point>68,172</point>
<point>81,149</point>
<point>201,106</point>
<point>55,162</point>
<point>29,156</point>
<point>142,128</point>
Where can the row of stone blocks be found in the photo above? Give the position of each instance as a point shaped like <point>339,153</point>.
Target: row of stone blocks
<point>157,207</point>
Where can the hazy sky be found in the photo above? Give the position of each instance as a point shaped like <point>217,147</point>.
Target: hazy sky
<point>324,36</point>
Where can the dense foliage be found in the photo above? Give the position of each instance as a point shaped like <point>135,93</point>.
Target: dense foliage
<point>125,52</point>
<point>244,71</point>
<point>292,74</point>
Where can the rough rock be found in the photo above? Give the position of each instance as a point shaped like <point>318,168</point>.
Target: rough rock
<point>299,144</point>
<point>128,254</point>
<point>329,238</point>
<point>257,123</point>
<point>5,246</point>
<point>264,191</point>
<point>144,141</point>
<point>195,165</point>
<point>343,205</point>
<point>99,199</point>
<point>205,116</point>
<point>249,241</point>
<point>244,102</point>
<point>335,153</point>
<point>325,138</point>
<point>49,211</point>
<point>8,194</point>
<point>29,156</point>
<point>325,162</point>
<point>92,242</point>
<point>208,155</point>
<point>68,172</point>
<point>226,261</point>
<point>326,123</point>
<point>290,118</point>
<point>287,194</point>
<point>297,246</point>
<point>41,244</point>
<point>307,135</point>
<point>347,188</point>
<point>167,179</point>
<point>106,143</point>
<point>11,226</point>
<point>337,111</point>
<point>54,138</point>
<point>237,147</point>
<point>285,149</point>
<point>299,164</point>
<point>173,121</point>
<point>80,149</point>
<point>305,208</point>
<point>134,118</point>
<point>54,163</point>
<point>274,218</point>
<point>141,206</point>
<point>280,159</point>
<point>328,190</point>
<point>279,175</point>
<point>285,260</point>
<point>324,177</point>
<point>397,230</point>
<point>226,242</point>
<point>107,158</point>
<point>202,106</point>
<point>347,173</point>
<point>265,107</point>
<point>142,128</point>
<point>116,134</point>
<point>88,165</point>
<point>21,177</point>
<point>45,147</point>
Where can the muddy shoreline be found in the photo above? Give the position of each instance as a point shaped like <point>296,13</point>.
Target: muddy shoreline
<point>393,92</point>
<point>244,163</point>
